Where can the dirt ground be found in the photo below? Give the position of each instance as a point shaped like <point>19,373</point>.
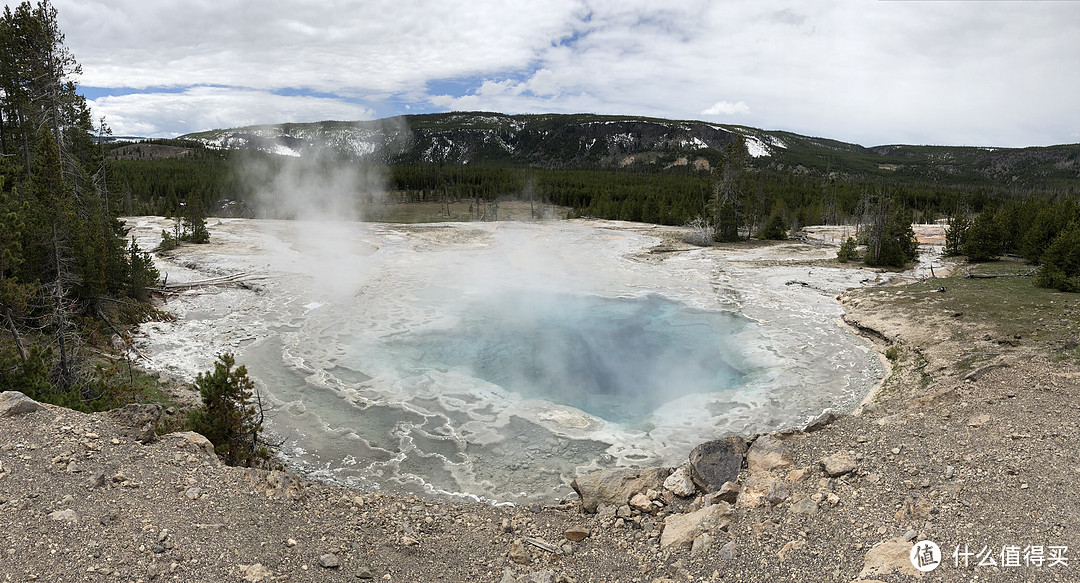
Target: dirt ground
<point>971,443</point>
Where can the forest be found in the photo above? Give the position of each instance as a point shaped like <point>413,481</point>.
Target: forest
<point>69,277</point>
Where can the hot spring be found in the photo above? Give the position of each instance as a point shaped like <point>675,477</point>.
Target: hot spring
<point>499,361</point>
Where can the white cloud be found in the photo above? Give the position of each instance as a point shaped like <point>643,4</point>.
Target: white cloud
<point>201,108</point>
<point>727,108</point>
<point>929,72</point>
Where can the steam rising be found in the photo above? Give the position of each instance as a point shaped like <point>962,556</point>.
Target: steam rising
<point>324,194</point>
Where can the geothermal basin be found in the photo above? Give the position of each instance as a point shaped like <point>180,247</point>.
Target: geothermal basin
<point>498,361</point>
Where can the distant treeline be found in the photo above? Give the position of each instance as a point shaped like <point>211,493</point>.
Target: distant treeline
<point>675,196</point>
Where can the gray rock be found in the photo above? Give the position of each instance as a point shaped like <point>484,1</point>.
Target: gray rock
<point>193,493</point>
<point>701,544</point>
<point>715,462</point>
<point>364,573</point>
<point>828,417</point>
<point>329,561</point>
<point>537,577</point>
<point>767,453</point>
<point>778,492</point>
<point>68,516</point>
<point>805,506</point>
<point>838,464</point>
<point>615,486</point>
<point>680,484</point>
<point>97,480</point>
<point>138,419</point>
<point>727,552</point>
<point>13,403</point>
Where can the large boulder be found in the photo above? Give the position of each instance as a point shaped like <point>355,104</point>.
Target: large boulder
<point>715,462</point>
<point>14,403</point>
<point>680,530</point>
<point>615,486</point>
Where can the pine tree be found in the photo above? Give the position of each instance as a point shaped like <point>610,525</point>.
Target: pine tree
<point>232,415</point>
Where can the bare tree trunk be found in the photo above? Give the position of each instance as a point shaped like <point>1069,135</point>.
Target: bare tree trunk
<point>15,334</point>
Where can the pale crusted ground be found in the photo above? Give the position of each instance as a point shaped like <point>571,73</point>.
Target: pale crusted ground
<point>966,456</point>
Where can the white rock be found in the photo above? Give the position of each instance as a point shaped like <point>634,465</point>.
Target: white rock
<point>680,484</point>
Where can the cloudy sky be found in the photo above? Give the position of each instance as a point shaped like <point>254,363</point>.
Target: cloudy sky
<point>991,73</point>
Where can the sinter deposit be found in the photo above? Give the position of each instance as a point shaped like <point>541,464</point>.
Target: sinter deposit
<point>502,360</point>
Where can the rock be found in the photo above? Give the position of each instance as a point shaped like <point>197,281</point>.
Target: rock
<point>727,552</point>
<point>97,480</point>
<point>680,484</point>
<point>255,573</point>
<point>615,486</point>
<point>714,462</point>
<point>979,420</point>
<point>838,464</point>
<point>13,403</point>
<point>139,420</point>
<point>537,577</point>
<point>778,492</point>
<point>701,544</point>
<point>790,546</point>
<point>681,529</point>
<point>518,553</point>
<point>821,421</point>
<point>886,557</point>
<point>577,533</point>
<point>767,453</point>
<point>805,506</point>
<point>193,493</point>
<point>641,503</point>
<point>197,441</point>
<point>329,561</point>
<point>623,511</point>
<point>364,573</point>
<point>728,492</point>
<point>795,476</point>
<point>68,516</point>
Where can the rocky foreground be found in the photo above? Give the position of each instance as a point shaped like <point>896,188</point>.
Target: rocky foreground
<point>983,462</point>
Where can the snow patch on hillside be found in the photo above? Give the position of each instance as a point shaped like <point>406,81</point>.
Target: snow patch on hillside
<point>756,148</point>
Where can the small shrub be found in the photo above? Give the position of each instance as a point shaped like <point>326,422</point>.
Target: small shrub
<point>848,251</point>
<point>168,242</point>
<point>893,353</point>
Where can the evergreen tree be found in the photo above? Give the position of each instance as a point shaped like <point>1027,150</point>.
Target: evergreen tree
<point>231,416</point>
<point>983,240</point>
<point>1061,261</point>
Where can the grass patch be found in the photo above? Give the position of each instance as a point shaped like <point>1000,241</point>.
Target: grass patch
<point>1004,307</point>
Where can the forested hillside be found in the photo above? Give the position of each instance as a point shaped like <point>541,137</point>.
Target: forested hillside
<point>68,276</point>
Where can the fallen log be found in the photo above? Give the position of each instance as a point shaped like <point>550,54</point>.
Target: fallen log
<point>971,275</point>
<point>225,280</point>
